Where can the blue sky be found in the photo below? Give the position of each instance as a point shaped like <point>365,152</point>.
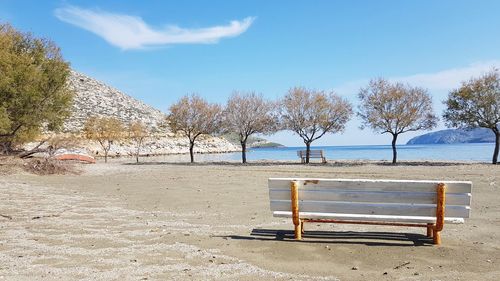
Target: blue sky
<point>158,51</point>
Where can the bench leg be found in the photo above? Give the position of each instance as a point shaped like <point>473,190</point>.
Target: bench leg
<point>302,227</point>
<point>294,190</point>
<point>298,231</point>
<point>430,227</point>
<point>441,203</point>
<point>436,237</point>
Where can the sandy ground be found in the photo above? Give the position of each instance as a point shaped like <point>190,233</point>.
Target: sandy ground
<point>161,221</point>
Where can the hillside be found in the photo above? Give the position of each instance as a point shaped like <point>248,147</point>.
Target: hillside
<point>94,98</point>
<point>450,136</point>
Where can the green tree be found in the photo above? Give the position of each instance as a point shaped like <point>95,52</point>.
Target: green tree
<point>476,104</point>
<point>34,95</point>
<point>105,131</point>
<point>312,114</point>
<point>395,109</point>
<point>193,116</point>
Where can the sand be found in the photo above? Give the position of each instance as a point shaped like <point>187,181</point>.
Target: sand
<point>167,221</point>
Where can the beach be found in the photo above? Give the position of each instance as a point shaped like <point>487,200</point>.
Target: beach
<point>211,221</point>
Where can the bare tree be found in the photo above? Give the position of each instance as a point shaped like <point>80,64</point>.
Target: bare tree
<point>193,116</point>
<point>311,114</point>
<point>395,109</point>
<point>476,104</point>
<point>247,114</point>
<point>104,130</point>
<point>138,132</point>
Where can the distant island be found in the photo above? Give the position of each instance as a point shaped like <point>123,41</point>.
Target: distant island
<point>450,136</point>
<point>252,142</point>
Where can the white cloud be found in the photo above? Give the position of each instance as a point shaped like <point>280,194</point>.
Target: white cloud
<point>441,81</point>
<point>450,78</point>
<point>131,32</point>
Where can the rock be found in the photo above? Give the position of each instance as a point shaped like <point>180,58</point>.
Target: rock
<point>94,98</point>
<point>354,268</point>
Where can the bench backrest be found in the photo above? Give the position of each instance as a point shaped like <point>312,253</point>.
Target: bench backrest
<point>312,153</point>
<point>371,197</point>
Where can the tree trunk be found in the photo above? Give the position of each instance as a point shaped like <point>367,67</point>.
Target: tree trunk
<point>308,151</point>
<point>191,150</point>
<point>497,147</point>
<point>105,156</point>
<point>138,151</point>
<point>27,154</point>
<point>243,151</point>
<point>394,152</point>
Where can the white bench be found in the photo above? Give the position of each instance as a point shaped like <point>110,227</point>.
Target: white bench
<point>381,202</point>
<point>312,154</point>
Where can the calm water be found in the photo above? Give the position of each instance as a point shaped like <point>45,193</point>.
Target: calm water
<point>458,152</point>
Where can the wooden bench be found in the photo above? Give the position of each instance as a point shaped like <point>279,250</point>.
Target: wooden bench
<point>379,202</point>
<point>312,154</point>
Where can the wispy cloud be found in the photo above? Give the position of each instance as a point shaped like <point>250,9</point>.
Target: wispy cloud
<point>131,32</point>
<point>450,78</point>
<point>440,81</point>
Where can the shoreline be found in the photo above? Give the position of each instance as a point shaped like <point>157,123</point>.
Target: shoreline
<point>314,162</point>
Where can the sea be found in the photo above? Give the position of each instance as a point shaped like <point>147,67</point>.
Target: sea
<point>471,152</point>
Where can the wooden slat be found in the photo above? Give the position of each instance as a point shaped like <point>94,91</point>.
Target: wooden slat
<point>372,196</point>
<point>370,208</point>
<point>358,217</point>
<point>367,185</point>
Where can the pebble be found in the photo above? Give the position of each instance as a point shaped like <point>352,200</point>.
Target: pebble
<point>354,268</point>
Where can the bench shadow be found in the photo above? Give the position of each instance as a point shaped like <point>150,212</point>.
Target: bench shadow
<point>338,237</point>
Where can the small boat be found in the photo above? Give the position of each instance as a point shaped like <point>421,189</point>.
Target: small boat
<point>76,157</point>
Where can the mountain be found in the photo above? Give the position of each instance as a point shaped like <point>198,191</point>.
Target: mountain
<point>94,98</point>
<point>450,136</point>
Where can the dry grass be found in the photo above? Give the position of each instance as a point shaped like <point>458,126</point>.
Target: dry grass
<point>10,165</point>
<point>49,166</point>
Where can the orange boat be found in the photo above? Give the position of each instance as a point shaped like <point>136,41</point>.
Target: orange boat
<point>76,157</point>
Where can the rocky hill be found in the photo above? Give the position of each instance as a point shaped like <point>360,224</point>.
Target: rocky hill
<point>94,98</point>
<point>478,135</point>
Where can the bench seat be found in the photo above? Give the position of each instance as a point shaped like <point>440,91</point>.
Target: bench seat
<point>375,218</point>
